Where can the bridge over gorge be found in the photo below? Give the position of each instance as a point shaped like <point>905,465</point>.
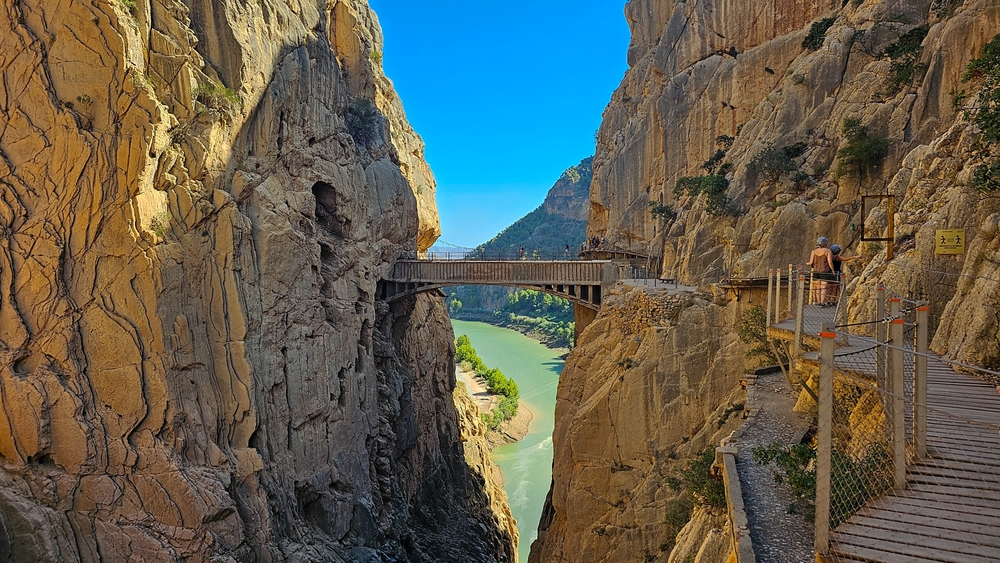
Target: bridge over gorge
<point>582,282</point>
<point>908,450</point>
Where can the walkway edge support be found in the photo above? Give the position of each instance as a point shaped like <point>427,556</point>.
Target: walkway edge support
<point>898,409</point>
<point>920,383</point>
<point>824,438</point>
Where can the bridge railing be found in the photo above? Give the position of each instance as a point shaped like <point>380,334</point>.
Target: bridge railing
<point>504,256</point>
<point>501,272</point>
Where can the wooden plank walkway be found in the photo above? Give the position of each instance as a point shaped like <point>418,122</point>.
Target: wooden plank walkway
<point>950,509</point>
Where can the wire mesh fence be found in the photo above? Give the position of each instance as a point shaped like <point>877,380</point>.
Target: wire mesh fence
<point>910,466</point>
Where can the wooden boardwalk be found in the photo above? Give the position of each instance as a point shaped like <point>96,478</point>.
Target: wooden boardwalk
<point>949,511</point>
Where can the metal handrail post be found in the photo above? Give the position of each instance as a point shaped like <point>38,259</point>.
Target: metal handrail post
<point>898,410</point>
<point>770,295</point>
<point>842,339</point>
<point>824,438</point>
<point>880,336</point>
<point>920,383</point>
<point>797,343</point>
<point>791,276</point>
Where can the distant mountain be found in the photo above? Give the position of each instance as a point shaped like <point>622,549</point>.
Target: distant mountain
<point>559,221</point>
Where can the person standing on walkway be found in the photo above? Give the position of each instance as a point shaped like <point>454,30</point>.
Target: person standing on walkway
<point>821,262</point>
<point>566,252</point>
<point>520,253</point>
<point>833,288</point>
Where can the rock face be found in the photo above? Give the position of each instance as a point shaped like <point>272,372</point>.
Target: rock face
<point>641,391</point>
<point>714,87</point>
<point>197,200</point>
<point>710,84</point>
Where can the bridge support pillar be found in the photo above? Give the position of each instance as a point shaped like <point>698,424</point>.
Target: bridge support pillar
<point>582,317</point>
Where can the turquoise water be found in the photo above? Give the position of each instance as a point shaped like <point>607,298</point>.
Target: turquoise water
<point>526,465</point>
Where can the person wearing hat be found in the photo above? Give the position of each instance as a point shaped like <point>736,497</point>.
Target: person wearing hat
<point>821,262</point>
<point>833,288</point>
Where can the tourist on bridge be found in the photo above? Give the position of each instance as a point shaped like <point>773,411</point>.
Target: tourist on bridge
<point>833,288</point>
<point>821,262</point>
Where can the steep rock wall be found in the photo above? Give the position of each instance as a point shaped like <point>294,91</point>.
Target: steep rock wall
<point>710,69</point>
<point>196,208</point>
<point>641,392</point>
<point>716,82</point>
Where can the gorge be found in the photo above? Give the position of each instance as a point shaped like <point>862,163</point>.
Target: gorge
<point>198,199</point>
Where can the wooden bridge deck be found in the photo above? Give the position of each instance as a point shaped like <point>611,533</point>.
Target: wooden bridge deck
<point>949,511</point>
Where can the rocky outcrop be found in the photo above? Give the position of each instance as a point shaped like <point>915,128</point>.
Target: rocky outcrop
<point>645,388</point>
<point>197,200</point>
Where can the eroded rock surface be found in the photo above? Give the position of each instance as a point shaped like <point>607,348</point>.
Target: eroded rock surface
<point>640,393</point>
<point>712,85</point>
<point>196,204</point>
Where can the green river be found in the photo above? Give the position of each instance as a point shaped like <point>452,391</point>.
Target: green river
<point>526,465</point>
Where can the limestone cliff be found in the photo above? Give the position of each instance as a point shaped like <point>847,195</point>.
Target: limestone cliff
<point>714,84</point>
<point>639,393</point>
<point>741,121</point>
<point>197,199</point>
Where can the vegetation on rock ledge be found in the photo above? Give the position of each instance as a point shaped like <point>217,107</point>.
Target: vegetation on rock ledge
<point>496,383</point>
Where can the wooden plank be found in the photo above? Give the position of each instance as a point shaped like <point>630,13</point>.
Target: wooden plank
<point>941,463</point>
<point>916,545</point>
<point>959,512</point>
<point>941,480</point>
<point>861,553</point>
<point>971,478</point>
<point>959,495</point>
<point>928,530</point>
<point>945,451</point>
<point>943,513</point>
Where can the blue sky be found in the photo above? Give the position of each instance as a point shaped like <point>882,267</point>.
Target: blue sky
<point>506,95</point>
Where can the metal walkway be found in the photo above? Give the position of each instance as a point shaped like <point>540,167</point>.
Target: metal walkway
<point>581,281</point>
<point>948,509</point>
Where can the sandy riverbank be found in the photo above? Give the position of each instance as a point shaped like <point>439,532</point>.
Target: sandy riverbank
<point>511,430</point>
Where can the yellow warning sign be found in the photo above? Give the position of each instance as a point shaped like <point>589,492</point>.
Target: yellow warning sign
<point>950,241</point>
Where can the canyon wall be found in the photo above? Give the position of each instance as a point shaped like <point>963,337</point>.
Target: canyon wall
<point>713,83</point>
<point>646,387</point>
<point>197,200</point>
<point>714,87</point>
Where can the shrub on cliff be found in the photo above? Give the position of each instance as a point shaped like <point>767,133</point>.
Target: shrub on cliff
<point>817,33</point>
<point>218,97</point>
<point>863,150</point>
<point>753,332</point>
<point>984,72</point>
<point>362,120</point>
<point>771,162</point>
<point>905,56</point>
<point>715,188</point>
<point>697,481</point>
